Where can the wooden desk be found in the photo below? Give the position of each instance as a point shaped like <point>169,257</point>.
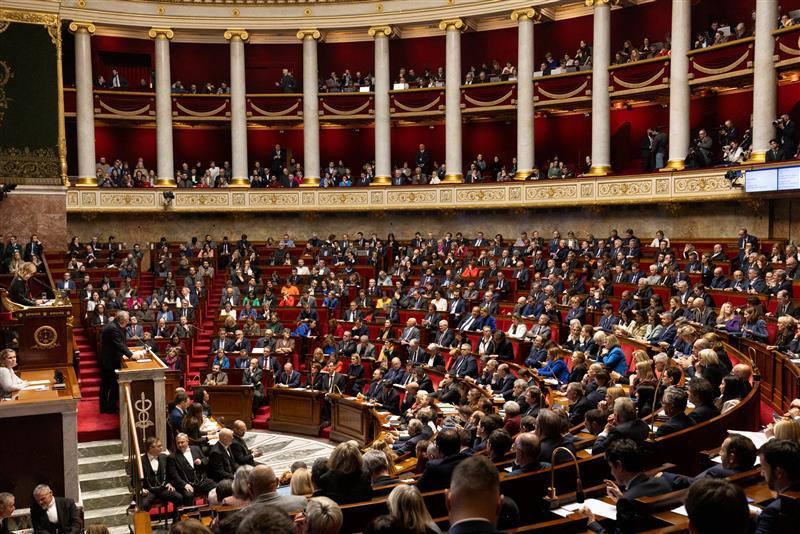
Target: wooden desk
<point>148,395</point>
<point>354,419</point>
<point>230,403</point>
<point>44,448</point>
<point>298,411</point>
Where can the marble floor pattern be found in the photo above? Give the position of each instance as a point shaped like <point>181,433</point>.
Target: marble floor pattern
<point>280,451</point>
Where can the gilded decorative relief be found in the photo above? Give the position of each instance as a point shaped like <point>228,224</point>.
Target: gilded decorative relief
<point>411,197</point>
<point>343,199</point>
<point>552,192</point>
<point>203,200</point>
<point>273,199</point>
<point>587,190</point>
<point>701,184</point>
<point>480,195</point>
<point>127,199</point>
<point>614,189</point>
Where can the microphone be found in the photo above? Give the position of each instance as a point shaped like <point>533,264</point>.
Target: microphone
<point>552,496</point>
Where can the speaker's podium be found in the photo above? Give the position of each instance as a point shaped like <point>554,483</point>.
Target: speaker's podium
<point>145,380</point>
<point>40,423</point>
<point>355,419</point>
<point>295,410</point>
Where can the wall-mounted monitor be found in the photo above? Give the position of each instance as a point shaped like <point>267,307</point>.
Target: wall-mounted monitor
<point>788,178</point>
<point>761,180</point>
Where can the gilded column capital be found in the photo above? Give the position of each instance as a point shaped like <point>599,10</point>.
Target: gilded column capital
<point>76,26</point>
<point>160,33</point>
<point>528,13</point>
<point>595,3</point>
<point>309,33</point>
<point>452,24</point>
<point>380,31</point>
<point>241,34</point>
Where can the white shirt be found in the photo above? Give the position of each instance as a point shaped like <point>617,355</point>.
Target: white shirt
<point>517,333</point>
<point>52,512</point>
<point>9,381</point>
<point>153,462</point>
<point>188,455</point>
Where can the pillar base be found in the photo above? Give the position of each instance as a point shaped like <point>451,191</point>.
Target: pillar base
<point>758,157</point>
<point>381,180</point>
<point>310,181</point>
<point>87,181</point>
<point>673,165</point>
<point>240,183</point>
<point>165,183</point>
<point>521,176</point>
<point>598,170</point>
<point>456,178</point>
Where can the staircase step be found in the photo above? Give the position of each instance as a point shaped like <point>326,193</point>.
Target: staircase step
<point>100,448</point>
<point>104,462</point>
<point>107,498</point>
<point>111,517</point>
<point>104,480</point>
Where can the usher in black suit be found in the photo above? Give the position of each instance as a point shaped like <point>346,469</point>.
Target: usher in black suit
<point>114,348</point>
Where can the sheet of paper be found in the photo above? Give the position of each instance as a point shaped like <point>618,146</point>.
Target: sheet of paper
<point>597,507</point>
<point>551,381</point>
<point>718,460</point>
<point>758,438</point>
<point>144,360</point>
<point>681,510</point>
<point>36,388</point>
<point>38,382</point>
<point>257,350</point>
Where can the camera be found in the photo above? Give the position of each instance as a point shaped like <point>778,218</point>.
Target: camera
<point>777,122</point>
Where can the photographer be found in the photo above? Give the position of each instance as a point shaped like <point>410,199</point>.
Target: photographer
<point>732,153</point>
<point>702,148</point>
<point>786,135</point>
<point>727,132</point>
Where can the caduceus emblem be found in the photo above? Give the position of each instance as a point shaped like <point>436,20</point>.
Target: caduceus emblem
<point>143,422</point>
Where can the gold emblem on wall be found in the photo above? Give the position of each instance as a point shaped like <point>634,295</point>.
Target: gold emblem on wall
<point>45,338</point>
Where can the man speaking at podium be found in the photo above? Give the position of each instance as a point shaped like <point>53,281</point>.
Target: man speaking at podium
<point>113,351</point>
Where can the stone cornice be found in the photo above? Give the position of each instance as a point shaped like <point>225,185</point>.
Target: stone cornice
<point>662,188</point>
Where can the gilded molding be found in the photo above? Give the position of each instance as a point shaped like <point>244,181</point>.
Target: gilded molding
<point>381,31</point>
<point>241,34</point>
<point>528,13</point>
<point>88,27</point>
<point>160,33</point>
<point>309,33</point>
<point>452,24</point>
<point>596,3</point>
<point>29,17</point>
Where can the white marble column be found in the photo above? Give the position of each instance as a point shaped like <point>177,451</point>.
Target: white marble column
<point>765,85</point>
<point>383,124</point>
<point>165,173</point>
<point>452,106</point>
<point>237,39</point>
<point>84,103</point>
<point>601,102</point>
<point>679,94</point>
<point>525,118</point>
<point>310,107</point>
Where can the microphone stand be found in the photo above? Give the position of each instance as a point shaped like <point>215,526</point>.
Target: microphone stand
<point>552,497</point>
<point>654,413</point>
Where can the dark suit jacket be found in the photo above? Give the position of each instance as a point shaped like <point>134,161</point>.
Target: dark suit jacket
<point>473,526</point>
<point>346,488</point>
<point>627,519</point>
<point>180,473</point>
<point>438,473</point>
<point>675,423</point>
<point>463,368</point>
<point>637,430</point>
<point>770,520</point>
<point>18,292</point>
<point>577,411</point>
<point>703,413</point>
<point>154,480</point>
<point>292,380</point>
<point>339,381</point>
<point>114,347</point>
<point>69,522</point>
<point>221,464</point>
<point>390,400</point>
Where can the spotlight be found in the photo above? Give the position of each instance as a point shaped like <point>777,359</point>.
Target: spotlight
<point>169,196</point>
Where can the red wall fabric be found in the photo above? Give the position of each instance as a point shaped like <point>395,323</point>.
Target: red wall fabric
<point>204,144</point>
<point>263,64</point>
<point>652,20</point>
<point>132,57</point>
<point>126,144</point>
<point>260,142</point>
<point>568,136</point>
<point>418,54</point>
<point>489,139</point>
<point>354,146</point>
<point>483,47</point>
<point>336,57</point>
<point>629,129</point>
<point>560,38</point>
<point>406,141</point>
<point>197,64</point>
<point>713,110</point>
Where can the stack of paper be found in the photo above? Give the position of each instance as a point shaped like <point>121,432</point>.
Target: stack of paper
<point>597,507</point>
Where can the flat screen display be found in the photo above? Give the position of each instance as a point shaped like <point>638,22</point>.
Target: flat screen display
<point>788,178</point>
<point>761,180</point>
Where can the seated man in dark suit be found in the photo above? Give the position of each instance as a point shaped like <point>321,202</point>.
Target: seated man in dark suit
<point>388,398</point>
<point>579,404</point>
<point>738,454</point>
<point>624,458</point>
<point>242,454</point>
<point>186,470</point>
<point>474,499</point>
<point>623,424</point>
<point>221,464</point>
<point>155,485</point>
<point>549,431</point>
<point>674,403</point>
<point>56,515</point>
<point>181,403</point>
<point>780,461</point>
<point>288,377</point>
<point>333,382</point>
<point>465,364</point>
<point>415,435</point>
<point>701,393</point>
<point>437,473</point>
<point>527,449</point>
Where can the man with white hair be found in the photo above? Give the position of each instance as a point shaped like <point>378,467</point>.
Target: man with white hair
<point>54,514</point>
<point>114,351</point>
<point>322,516</point>
<point>221,463</point>
<point>6,510</point>
<point>622,424</point>
<point>409,332</point>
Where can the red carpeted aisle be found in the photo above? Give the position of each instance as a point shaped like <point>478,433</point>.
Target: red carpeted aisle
<point>92,425</point>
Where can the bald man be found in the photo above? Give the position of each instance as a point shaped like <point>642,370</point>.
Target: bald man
<point>221,464</point>
<point>264,490</point>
